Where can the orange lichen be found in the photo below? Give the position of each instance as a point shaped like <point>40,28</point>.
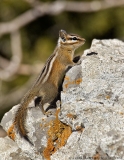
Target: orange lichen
<point>72,116</point>
<point>67,78</point>
<point>66,85</point>
<point>11,132</point>
<point>77,81</point>
<point>121,113</point>
<point>64,136</point>
<point>79,128</point>
<point>96,156</point>
<point>108,96</point>
<point>58,134</point>
<point>49,150</point>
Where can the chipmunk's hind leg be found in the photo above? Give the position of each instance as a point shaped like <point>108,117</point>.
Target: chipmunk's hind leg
<point>76,59</point>
<point>37,101</point>
<point>53,103</point>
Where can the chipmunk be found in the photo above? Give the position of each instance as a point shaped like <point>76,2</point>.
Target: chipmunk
<point>47,85</point>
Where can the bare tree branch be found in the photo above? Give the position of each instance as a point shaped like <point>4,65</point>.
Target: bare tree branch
<point>14,96</point>
<point>56,8</point>
<point>3,62</point>
<point>24,69</point>
<point>92,6</point>
<point>14,64</point>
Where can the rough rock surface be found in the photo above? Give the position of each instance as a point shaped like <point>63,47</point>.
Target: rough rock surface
<point>92,104</point>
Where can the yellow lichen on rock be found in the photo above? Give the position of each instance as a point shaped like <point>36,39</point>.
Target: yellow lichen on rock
<point>72,82</point>
<point>58,134</point>
<point>11,132</point>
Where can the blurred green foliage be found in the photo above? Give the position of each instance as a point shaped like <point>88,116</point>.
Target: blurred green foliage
<point>40,36</point>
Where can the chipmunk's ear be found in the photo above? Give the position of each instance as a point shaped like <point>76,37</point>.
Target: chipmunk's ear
<point>62,35</point>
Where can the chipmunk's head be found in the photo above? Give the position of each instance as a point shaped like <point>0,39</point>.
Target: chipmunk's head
<point>72,41</point>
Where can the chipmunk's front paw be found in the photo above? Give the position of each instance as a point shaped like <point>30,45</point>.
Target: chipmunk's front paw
<point>76,59</point>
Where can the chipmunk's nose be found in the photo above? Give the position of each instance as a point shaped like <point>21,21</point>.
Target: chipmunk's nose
<point>84,40</point>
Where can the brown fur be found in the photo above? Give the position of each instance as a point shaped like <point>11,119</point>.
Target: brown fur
<point>48,90</point>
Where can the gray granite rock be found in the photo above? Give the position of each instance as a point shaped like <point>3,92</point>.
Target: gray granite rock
<point>92,103</point>
<point>21,149</point>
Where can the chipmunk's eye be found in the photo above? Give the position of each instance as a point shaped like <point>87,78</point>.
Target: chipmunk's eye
<point>63,38</point>
<point>74,38</point>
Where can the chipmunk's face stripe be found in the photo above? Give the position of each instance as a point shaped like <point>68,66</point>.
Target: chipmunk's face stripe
<point>65,39</point>
<point>70,39</point>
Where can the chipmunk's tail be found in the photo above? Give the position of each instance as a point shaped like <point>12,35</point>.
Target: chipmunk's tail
<point>21,114</point>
